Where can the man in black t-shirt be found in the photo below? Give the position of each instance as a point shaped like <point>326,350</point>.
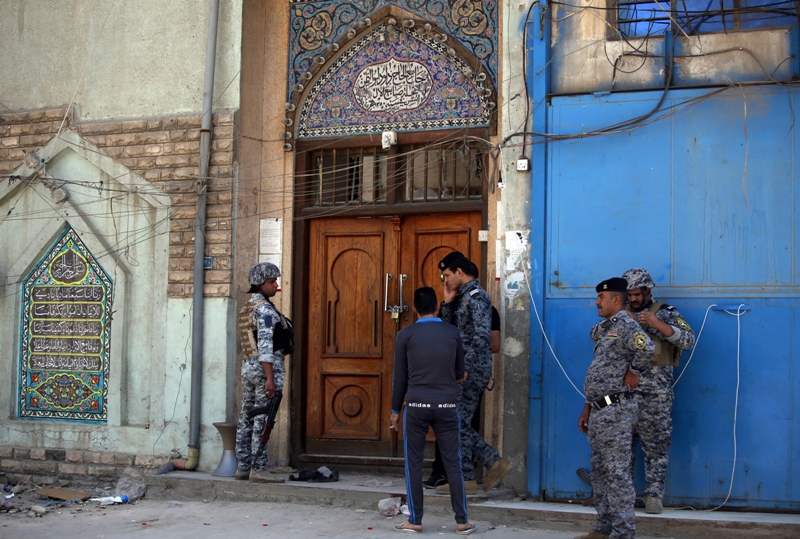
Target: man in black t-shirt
<point>428,365</point>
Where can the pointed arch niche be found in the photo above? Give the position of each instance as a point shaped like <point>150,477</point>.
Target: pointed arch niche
<point>398,73</point>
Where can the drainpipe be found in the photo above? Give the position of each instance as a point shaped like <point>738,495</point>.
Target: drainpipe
<point>539,40</point>
<point>200,241</point>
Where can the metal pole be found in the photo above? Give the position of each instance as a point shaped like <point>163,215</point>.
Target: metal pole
<point>200,240</point>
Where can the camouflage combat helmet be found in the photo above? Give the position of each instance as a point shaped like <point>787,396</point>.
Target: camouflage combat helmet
<point>261,272</point>
<point>638,278</point>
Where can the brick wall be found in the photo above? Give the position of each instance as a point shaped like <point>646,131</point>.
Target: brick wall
<point>165,151</point>
<point>54,466</point>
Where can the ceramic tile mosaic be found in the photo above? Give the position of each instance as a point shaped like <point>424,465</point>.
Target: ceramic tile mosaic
<point>65,335</point>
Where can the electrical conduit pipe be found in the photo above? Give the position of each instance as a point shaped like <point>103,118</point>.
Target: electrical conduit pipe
<point>200,241</point>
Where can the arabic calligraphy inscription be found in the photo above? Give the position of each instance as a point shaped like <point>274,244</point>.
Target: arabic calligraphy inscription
<point>392,86</point>
<point>66,331</point>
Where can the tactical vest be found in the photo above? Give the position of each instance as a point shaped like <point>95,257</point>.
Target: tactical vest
<point>666,352</point>
<point>282,336</point>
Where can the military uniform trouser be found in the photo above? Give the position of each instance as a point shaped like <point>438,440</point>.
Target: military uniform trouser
<point>610,436</point>
<point>249,453</point>
<point>473,447</point>
<point>654,429</point>
<point>445,423</point>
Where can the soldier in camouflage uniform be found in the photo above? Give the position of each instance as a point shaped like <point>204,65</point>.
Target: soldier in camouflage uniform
<point>468,307</point>
<point>262,371</point>
<point>672,335</point>
<point>621,346</point>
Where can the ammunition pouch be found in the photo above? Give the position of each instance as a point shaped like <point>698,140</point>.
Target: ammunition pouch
<point>666,353</point>
<point>282,336</point>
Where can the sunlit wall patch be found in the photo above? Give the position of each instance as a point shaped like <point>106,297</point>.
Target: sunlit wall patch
<point>65,335</point>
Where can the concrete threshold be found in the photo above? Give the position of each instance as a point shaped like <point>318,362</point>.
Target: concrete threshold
<point>497,507</point>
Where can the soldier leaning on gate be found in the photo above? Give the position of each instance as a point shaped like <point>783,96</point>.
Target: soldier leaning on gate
<point>262,369</point>
<point>610,413</point>
<point>671,334</point>
<point>468,307</point>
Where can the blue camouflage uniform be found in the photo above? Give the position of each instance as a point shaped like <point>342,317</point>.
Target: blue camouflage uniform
<point>248,431</point>
<point>620,345</point>
<point>471,312</point>
<point>654,396</point>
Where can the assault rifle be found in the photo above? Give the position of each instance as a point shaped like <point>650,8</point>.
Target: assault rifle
<point>271,410</point>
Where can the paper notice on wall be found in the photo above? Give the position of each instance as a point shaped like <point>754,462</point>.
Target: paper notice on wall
<point>270,241</point>
<point>271,236</point>
<point>516,247</point>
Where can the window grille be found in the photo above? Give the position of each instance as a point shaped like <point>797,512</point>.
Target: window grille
<point>351,176</point>
<point>442,174</point>
<point>416,174</point>
<point>638,18</point>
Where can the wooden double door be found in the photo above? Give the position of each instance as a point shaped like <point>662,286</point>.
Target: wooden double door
<point>362,277</point>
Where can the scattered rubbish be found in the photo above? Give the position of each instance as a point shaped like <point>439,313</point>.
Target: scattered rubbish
<point>375,483</point>
<point>323,474</point>
<point>6,505</point>
<point>405,511</point>
<point>206,524</point>
<point>519,499</point>
<point>265,524</point>
<point>10,496</point>
<point>389,507</point>
<point>38,510</point>
<point>63,494</point>
<point>361,510</point>
<point>131,484</point>
<point>144,523</point>
<point>7,488</point>
<point>369,528</point>
<point>109,500</point>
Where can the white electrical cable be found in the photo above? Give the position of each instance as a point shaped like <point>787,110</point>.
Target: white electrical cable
<point>536,311</point>
<point>696,342</point>
<point>738,316</point>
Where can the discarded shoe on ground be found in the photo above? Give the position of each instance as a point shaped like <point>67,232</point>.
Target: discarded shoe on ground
<point>323,474</point>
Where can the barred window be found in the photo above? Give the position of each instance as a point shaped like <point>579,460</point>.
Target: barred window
<point>638,18</point>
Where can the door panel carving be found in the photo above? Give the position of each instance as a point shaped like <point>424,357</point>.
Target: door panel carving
<point>352,303</point>
<point>354,410</point>
<point>355,272</point>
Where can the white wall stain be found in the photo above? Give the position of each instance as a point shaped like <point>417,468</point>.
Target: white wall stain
<point>513,347</point>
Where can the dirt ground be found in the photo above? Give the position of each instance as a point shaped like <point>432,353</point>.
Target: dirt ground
<point>195,520</point>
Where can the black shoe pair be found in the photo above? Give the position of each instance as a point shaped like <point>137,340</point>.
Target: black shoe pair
<point>434,481</point>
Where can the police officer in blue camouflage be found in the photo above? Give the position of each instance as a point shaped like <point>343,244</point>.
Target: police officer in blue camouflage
<point>468,307</point>
<point>262,371</point>
<point>671,334</point>
<point>610,413</point>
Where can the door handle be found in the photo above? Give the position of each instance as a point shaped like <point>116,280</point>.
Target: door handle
<point>403,308</point>
<point>386,293</point>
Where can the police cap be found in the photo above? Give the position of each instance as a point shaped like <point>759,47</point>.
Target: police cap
<point>261,272</point>
<point>450,259</point>
<point>614,284</point>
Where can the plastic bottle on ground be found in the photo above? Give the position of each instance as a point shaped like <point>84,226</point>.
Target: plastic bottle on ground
<point>108,500</point>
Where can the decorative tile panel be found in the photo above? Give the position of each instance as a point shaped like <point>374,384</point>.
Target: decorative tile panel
<point>316,25</point>
<point>394,78</point>
<point>65,336</point>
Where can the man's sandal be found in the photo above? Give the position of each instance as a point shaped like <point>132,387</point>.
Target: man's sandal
<point>468,528</point>
<point>408,527</point>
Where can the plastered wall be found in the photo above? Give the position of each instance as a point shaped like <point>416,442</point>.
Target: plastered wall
<point>116,59</point>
